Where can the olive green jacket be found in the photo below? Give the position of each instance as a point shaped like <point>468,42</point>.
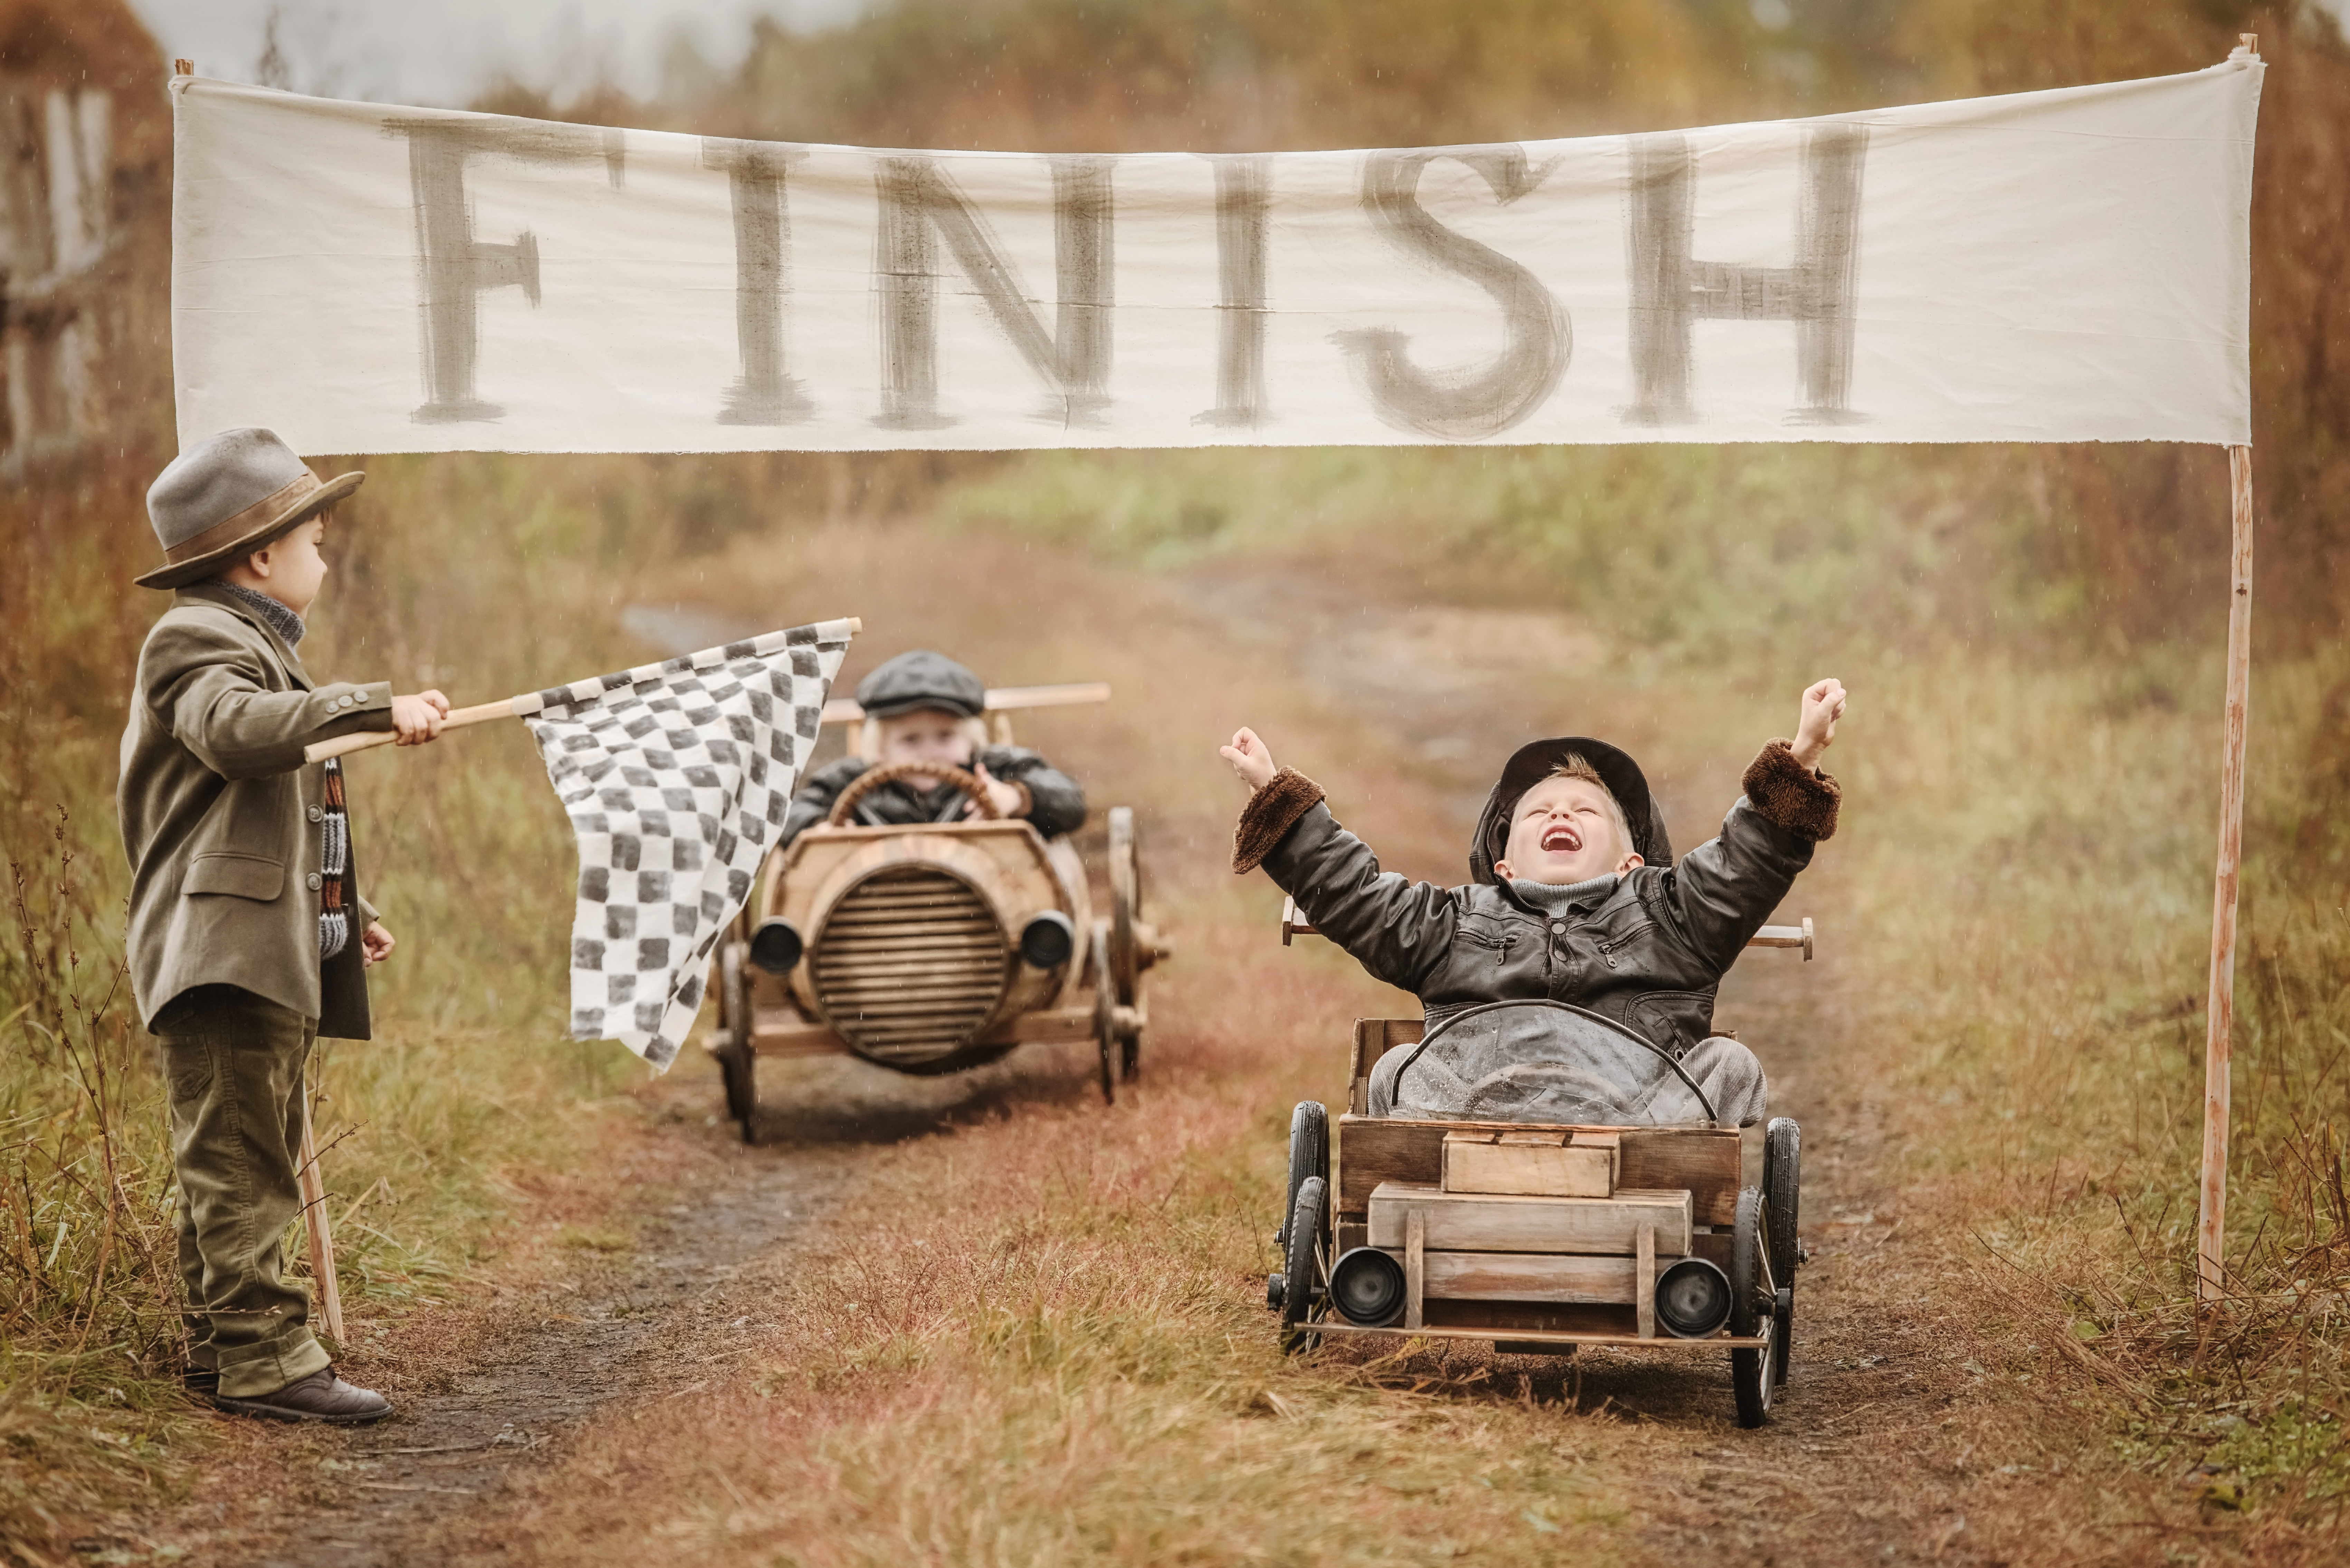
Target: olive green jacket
<point>221,816</point>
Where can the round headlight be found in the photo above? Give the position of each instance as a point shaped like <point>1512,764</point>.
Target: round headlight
<point>1692,1299</point>
<point>1366,1287</point>
<point>775,946</point>
<point>1048,941</point>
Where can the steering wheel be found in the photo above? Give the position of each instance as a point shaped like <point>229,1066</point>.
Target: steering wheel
<point>1606,1023</point>
<point>872,779</point>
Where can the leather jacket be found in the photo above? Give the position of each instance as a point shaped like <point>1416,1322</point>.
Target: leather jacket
<point>1648,953</point>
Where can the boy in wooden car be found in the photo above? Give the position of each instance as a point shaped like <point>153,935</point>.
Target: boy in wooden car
<point>923,707</point>
<point>1573,896</point>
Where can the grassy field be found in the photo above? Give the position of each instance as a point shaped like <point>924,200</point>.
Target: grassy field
<point>2023,873</point>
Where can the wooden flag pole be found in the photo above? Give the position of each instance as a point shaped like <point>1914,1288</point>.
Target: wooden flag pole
<point>368,740</point>
<point>2220,1011</point>
<point>321,1233</point>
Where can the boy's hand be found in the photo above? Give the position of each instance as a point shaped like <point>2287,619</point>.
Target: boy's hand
<point>375,944</point>
<point>1005,796</point>
<point>416,720</point>
<point>1822,706</point>
<point>1252,760</point>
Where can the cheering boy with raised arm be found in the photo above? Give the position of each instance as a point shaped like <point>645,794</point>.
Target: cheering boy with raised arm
<point>1574,895</point>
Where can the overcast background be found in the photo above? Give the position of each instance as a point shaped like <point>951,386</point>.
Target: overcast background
<point>441,53</point>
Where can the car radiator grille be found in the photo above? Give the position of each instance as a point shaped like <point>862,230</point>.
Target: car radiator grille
<point>909,966</point>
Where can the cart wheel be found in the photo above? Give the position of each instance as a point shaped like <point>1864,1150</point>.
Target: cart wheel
<point>1125,903</point>
<point>1309,1155</point>
<point>1127,959</point>
<point>1750,1371</point>
<point>738,1067</point>
<point>1105,1014</point>
<point>1305,1269</point>
<point>1782,1197</point>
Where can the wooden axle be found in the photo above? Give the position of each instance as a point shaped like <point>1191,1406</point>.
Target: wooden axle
<point>1725,1340</point>
<point>1294,924</point>
<point>999,699</point>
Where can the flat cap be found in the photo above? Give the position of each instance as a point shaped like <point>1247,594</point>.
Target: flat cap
<point>921,679</point>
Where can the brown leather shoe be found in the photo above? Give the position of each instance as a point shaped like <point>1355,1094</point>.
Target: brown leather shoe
<point>321,1397</point>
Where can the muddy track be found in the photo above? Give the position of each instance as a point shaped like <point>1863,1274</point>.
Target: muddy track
<point>659,1325</point>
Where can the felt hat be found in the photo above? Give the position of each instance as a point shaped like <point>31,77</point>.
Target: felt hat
<point>921,680</point>
<point>227,496</point>
<point>1533,763</point>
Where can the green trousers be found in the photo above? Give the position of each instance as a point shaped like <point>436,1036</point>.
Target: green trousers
<point>236,1063</point>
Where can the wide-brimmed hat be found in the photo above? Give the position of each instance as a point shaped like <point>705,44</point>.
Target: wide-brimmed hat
<point>227,496</point>
<point>1533,763</point>
<point>921,680</point>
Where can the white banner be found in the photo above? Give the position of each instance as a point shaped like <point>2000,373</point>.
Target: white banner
<point>2064,266</point>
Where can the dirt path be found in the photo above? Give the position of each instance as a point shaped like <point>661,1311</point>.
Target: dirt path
<point>653,1326</point>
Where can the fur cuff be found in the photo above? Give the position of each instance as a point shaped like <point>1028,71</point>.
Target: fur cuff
<point>1269,816</point>
<point>1790,795</point>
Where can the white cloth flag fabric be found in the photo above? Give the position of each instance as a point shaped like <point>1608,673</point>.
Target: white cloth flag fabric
<point>677,777</point>
<point>2061,265</point>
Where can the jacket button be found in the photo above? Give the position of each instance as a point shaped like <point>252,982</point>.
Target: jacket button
<point>317,814</point>
<point>316,881</point>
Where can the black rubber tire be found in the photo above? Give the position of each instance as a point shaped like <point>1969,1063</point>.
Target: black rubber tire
<point>1304,1267</point>
<point>739,1070</point>
<point>1782,1199</point>
<point>1309,1155</point>
<point>738,1067</point>
<point>1751,1373</point>
<point>1105,1014</point>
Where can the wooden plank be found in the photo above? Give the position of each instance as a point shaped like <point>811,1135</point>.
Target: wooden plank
<point>1531,1317</point>
<point>1565,1339</point>
<point>1477,1222</point>
<point>1559,1279</point>
<point>793,1038</point>
<point>1047,1023</point>
<point>998,699</point>
<point>1533,1163</point>
<point>1705,1161</point>
<point>1644,1283</point>
<point>1415,1268</point>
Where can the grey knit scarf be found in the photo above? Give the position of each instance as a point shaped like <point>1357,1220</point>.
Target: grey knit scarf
<point>275,615</point>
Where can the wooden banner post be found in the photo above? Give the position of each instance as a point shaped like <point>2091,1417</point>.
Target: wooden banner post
<point>2220,1011</point>
<point>321,1233</point>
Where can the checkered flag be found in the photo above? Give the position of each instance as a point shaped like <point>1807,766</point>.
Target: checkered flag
<point>676,776</point>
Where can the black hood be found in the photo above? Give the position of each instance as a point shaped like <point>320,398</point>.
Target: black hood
<point>1532,763</point>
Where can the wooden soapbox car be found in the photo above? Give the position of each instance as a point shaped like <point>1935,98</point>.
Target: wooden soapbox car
<point>935,948</point>
<point>1536,1237</point>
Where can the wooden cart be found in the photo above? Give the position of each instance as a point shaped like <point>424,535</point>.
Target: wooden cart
<point>935,948</point>
<point>1539,1237</point>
